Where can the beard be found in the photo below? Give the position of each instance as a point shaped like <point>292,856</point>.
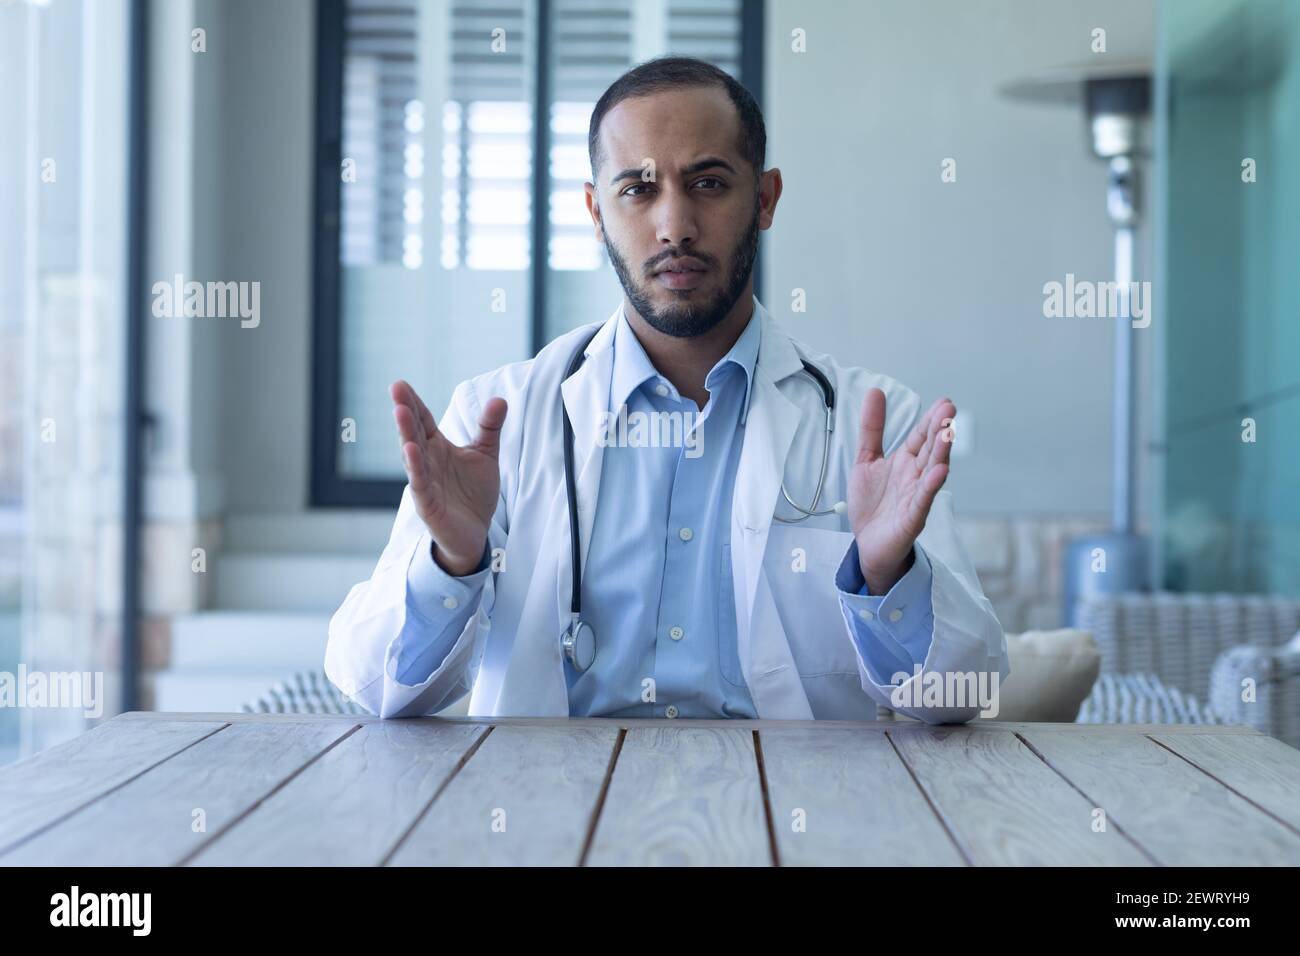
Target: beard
<point>689,319</point>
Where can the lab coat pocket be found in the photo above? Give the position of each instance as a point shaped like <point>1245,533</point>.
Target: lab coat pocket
<point>728,638</point>
<point>800,565</point>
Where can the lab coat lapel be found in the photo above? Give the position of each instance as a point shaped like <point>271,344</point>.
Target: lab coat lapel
<point>770,428</point>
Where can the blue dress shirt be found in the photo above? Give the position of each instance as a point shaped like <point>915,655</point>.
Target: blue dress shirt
<point>657,588</point>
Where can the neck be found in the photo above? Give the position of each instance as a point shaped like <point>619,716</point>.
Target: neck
<point>686,362</point>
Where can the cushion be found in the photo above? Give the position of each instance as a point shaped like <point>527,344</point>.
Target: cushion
<point>1052,674</point>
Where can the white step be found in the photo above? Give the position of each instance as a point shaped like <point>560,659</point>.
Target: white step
<point>251,581</point>
<point>222,693</point>
<point>358,531</point>
<point>233,641</point>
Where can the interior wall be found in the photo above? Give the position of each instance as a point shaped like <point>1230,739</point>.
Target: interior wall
<point>941,284</point>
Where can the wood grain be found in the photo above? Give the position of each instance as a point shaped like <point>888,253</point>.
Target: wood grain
<point>844,798</point>
<point>880,726</point>
<point>526,798</point>
<point>1004,805</point>
<point>1262,769</point>
<point>313,790</point>
<point>350,807</point>
<point>683,796</point>
<point>1180,815</point>
<point>39,791</point>
<point>223,775</point>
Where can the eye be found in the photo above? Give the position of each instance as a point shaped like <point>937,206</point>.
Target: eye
<point>628,190</point>
<point>717,183</point>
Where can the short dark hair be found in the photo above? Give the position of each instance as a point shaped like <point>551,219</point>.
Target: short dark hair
<point>676,73</point>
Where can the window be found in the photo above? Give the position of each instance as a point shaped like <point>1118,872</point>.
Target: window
<point>427,187</point>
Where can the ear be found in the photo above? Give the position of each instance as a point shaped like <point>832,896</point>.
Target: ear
<point>593,208</point>
<point>769,192</point>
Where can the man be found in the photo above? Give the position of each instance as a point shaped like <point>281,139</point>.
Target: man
<point>696,599</point>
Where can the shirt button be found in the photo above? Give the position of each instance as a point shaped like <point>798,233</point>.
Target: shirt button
<point>686,534</point>
<point>450,603</point>
<point>676,633</point>
<point>661,389</point>
<point>866,615</point>
<point>896,615</point>
<point>671,711</point>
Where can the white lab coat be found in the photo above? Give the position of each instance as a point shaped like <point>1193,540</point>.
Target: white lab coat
<point>795,650</point>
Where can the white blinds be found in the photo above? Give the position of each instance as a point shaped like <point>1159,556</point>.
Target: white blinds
<point>486,122</point>
<point>379,83</point>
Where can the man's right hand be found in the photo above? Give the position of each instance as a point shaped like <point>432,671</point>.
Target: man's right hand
<point>454,489</point>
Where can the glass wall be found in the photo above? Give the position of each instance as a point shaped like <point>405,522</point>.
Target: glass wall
<point>1229,165</point>
<point>63,109</point>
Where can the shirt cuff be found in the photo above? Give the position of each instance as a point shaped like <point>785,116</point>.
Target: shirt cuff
<point>439,606</point>
<point>893,632</point>
<point>433,593</point>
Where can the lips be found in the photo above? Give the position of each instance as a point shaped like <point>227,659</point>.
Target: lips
<point>684,264</point>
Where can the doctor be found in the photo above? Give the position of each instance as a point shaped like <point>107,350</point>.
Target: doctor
<point>759,531</point>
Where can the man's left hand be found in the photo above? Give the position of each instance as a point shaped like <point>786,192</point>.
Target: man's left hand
<point>890,497</point>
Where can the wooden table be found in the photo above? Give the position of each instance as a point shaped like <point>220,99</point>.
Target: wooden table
<point>217,789</point>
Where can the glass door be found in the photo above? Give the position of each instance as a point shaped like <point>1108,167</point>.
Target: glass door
<point>1229,75</point>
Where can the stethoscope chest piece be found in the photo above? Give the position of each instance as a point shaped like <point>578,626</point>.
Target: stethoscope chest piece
<point>579,643</point>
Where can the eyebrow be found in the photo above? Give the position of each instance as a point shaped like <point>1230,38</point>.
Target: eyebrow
<point>709,162</point>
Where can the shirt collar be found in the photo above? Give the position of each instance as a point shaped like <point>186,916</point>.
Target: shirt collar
<point>633,368</point>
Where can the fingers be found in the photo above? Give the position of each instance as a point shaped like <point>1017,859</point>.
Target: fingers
<point>489,426</point>
<point>408,427</point>
<point>938,432</point>
<point>426,417</point>
<point>403,394</point>
<point>944,436</point>
<point>919,509</point>
<point>417,473</point>
<point>917,436</point>
<point>872,430</point>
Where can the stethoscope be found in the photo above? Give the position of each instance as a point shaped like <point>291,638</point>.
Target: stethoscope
<point>578,641</point>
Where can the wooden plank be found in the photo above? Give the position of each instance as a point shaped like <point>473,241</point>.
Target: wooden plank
<point>150,821</point>
<point>1262,769</point>
<point>39,791</point>
<point>1004,806</point>
<point>683,795</point>
<point>880,726</point>
<point>526,798</point>
<point>844,798</point>
<point>350,807</point>
<point>1180,815</point>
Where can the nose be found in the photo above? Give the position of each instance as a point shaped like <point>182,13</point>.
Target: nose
<point>677,224</point>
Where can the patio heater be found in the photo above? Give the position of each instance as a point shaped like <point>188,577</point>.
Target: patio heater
<point>1115,101</point>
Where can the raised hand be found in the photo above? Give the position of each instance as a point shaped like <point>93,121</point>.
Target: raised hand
<point>454,489</point>
<point>890,497</point>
